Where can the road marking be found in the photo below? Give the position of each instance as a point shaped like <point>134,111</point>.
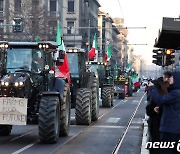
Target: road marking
<point>106,126</point>
<point>113,120</point>
<point>135,101</point>
<point>125,101</point>
<point>25,148</point>
<point>137,121</point>
<point>22,135</point>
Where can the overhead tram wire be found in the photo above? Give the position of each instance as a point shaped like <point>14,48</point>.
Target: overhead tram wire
<point>120,8</point>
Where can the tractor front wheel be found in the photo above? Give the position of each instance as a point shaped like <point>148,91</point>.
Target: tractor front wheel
<point>65,112</point>
<point>49,119</point>
<point>83,106</point>
<point>95,99</point>
<point>106,97</point>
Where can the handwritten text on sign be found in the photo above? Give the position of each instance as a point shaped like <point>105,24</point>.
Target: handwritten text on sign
<point>13,110</point>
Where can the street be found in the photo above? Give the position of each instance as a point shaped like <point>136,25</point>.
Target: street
<point>110,133</point>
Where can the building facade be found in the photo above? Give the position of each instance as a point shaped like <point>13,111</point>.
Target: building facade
<point>80,21</point>
<point>35,19</point>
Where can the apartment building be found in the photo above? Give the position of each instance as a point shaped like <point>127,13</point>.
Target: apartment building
<point>37,18</point>
<point>80,21</point>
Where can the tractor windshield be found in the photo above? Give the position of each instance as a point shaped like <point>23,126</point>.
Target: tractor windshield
<point>20,59</point>
<point>93,67</point>
<point>73,63</point>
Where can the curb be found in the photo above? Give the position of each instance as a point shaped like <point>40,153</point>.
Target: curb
<point>145,135</point>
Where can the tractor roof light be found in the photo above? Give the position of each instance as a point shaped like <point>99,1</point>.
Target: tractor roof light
<point>75,50</point>
<point>43,46</point>
<point>4,45</point>
<point>40,46</point>
<point>47,46</point>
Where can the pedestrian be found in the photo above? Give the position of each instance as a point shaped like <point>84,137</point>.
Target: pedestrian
<point>154,112</point>
<point>170,120</point>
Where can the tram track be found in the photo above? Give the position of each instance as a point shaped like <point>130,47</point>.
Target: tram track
<point>118,145</point>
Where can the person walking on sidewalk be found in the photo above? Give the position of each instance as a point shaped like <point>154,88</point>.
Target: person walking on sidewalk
<point>170,120</point>
<point>154,112</point>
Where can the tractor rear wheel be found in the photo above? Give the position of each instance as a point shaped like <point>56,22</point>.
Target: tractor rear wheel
<point>106,97</point>
<point>112,96</point>
<point>49,119</point>
<point>5,130</point>
<point>95,99</point>
<point>83,106</point>
<point>65,112</point>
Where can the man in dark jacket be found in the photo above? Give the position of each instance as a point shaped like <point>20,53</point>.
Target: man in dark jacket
<point>170,120</point>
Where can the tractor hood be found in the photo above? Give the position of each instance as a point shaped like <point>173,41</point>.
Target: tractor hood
<point>15,77</point>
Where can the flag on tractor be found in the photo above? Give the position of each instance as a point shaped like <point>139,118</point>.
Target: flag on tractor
<point>108,54</point>
<point>64,68</point>
<point>93,52</point>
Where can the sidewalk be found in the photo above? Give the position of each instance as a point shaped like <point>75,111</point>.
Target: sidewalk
<point>144,138</point>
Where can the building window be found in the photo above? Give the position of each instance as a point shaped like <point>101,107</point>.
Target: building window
<point>53,5</point>
<point>1,5</point>
<point>35,5</point>
<point>1,27</point>
<point>70,27</point>
<point>17,5</point>
<point>70,6</point>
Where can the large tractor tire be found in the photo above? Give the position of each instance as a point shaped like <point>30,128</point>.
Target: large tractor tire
<point>49,119</point>
<point>83,111</point>
<point>121,95</point>
<point>95,99</point>
<point>65,114</point>
<point>106,97</point>
<point>112,96</point>
<point>5,130</point>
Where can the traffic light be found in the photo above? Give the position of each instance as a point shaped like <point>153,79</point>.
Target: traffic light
<point>158,57</point>
<point>17,25</point>
<point>169,57</point>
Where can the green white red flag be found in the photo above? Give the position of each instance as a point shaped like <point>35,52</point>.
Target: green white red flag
<point>93,52</point>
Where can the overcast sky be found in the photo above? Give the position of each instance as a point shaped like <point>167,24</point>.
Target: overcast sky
<point>142,13</point>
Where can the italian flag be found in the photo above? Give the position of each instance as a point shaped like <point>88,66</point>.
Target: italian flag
<point>93,52</point>
<point>108,54</point>
<point>64,68</point>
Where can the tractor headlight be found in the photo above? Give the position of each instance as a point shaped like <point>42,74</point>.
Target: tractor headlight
<point>2,83</point>
<point>6,83</point>
<point>17,84</point>
<point>21,83</point>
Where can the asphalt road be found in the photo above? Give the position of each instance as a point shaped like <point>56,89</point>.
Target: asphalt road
<point>100,137</point>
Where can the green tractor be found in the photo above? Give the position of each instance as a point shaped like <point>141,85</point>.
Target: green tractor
<point>122,83</point>
<point>103,72</point>
<point>84,88</point>
<point>30,91</point>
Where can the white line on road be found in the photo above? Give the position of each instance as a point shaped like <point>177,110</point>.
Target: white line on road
<point>113,120</point>
<point>104,126</point>
<point>25,148</point>
<point>22,135</point>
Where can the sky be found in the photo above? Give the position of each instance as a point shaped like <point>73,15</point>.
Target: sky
<point>142,13</point>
